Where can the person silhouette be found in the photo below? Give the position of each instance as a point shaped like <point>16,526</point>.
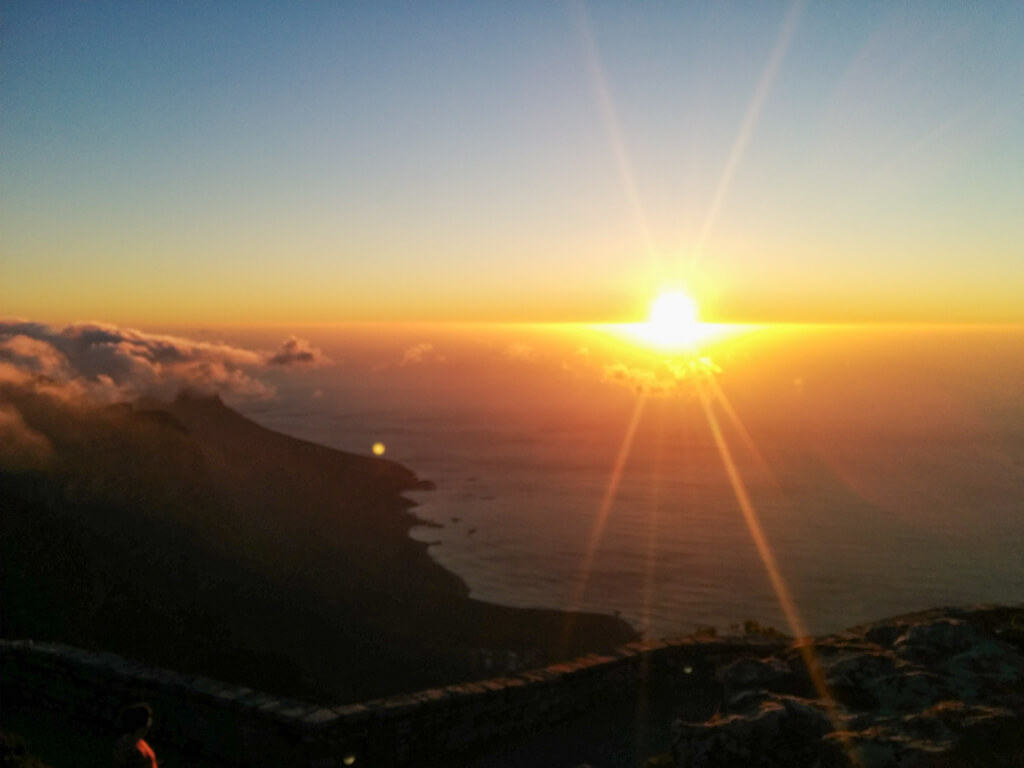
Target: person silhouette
<point>131,749</point>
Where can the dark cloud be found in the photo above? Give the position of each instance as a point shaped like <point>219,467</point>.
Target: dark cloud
<point>296,351</point>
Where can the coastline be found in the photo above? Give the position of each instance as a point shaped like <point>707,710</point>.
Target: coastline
<point>282,570</point>
<point>253,557</point>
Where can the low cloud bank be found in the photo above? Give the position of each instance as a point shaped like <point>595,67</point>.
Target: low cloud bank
<point>106,363</point>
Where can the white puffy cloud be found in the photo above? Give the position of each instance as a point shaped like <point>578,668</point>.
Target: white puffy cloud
<point>108,363</point>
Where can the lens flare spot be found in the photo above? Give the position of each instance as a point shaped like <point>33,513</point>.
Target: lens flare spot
<point>378,450</point>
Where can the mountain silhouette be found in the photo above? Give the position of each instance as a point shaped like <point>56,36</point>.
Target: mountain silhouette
<point>186,535</point>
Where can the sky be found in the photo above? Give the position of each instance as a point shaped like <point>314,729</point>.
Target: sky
<point>259,163</point>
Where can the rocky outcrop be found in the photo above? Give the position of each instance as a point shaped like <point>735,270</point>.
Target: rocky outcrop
<point>939,688</point>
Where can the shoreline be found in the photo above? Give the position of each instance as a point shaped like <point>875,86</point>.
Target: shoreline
<point>249,556</point>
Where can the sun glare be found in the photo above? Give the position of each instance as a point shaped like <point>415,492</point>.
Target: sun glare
<point>674,327</point>
<point>673,310</point>
<point>673,322</point>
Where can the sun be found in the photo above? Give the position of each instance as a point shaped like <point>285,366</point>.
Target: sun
<point>673,310</point>
<point>674,327</point>
<point>673,322</point>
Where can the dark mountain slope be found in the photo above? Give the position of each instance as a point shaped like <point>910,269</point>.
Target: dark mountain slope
<point>188,536</point>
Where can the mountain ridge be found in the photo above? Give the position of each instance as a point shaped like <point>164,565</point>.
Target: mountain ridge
<point>186,535</point>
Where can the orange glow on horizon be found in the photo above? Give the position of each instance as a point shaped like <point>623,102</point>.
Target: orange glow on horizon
<point>673,327</point>
<point>691,341</point>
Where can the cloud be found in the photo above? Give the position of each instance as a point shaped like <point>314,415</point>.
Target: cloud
<point>12,374</point>
<point>298,352</point>
<point>21,447</point>
<point>519,351</point>
<point>109,364</point>
<point>668,378</point>
<point>421,353</point>
<point>641,380</point>
<point>32,355</point>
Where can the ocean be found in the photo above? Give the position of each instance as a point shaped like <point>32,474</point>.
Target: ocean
<point>883,466</point>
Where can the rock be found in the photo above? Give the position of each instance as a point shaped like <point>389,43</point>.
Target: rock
<point>940,688</point>
<point>885,633</point>
<point>860,669</point>
<point>779,730</point>
<point>935,640</point>
<point>991,671</point>
<point>949,721</point>
<point>908,691</point>
<point>757,674</point>
<point>882,748</point>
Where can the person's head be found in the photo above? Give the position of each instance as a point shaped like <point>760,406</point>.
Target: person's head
<point>136,717</point>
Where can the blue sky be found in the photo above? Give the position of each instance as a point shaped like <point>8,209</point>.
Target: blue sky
<point>321,162</point>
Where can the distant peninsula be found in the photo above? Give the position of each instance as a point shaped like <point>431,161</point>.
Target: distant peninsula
<point>185,535</point>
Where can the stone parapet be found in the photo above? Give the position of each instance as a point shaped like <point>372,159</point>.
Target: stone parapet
<point>242,726</point>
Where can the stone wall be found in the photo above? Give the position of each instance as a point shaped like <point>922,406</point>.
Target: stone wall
<point>246,727</point>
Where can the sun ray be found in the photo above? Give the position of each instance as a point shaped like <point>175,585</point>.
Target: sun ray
<point>650,572</point>
<point>764,551</point>
<point>643,702</point>
<point>597,531</point>
<point>750,118</point>
<point>611,125</point>
<point>797,628</point>
<point>734,420</point>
